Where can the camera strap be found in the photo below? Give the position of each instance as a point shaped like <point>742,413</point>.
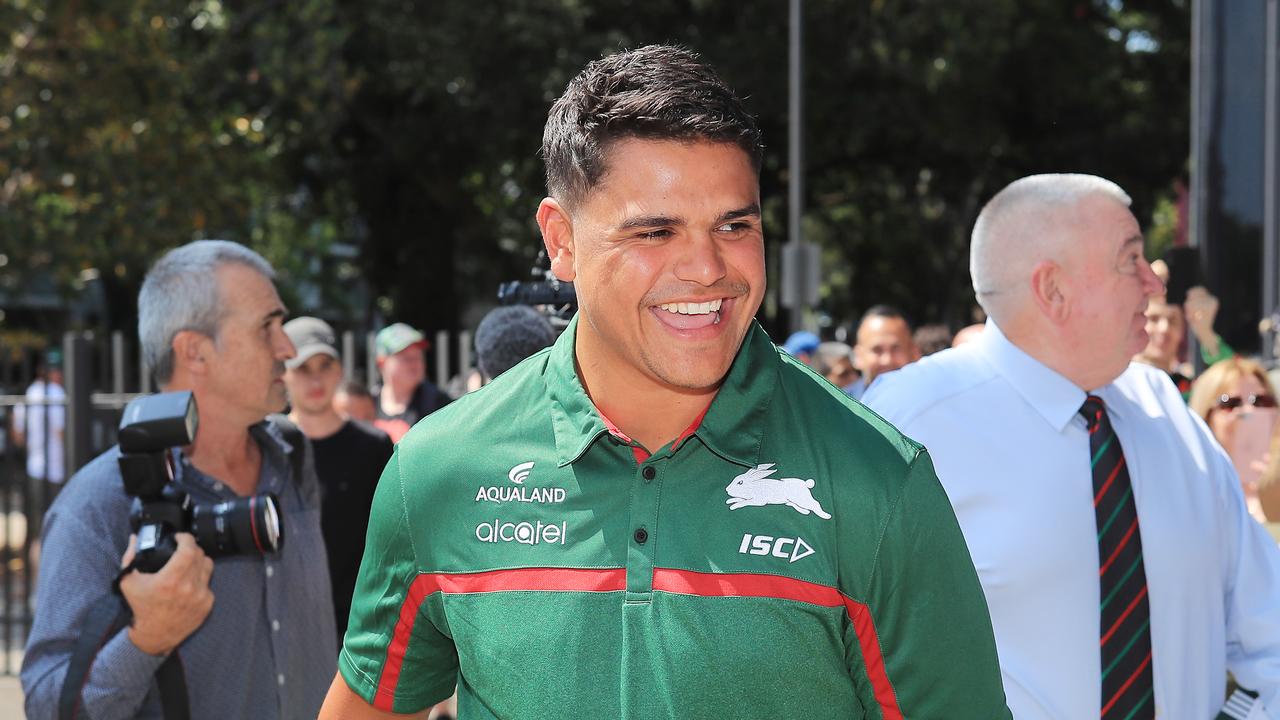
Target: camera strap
<point>297,442</point>
<point>108,616</point>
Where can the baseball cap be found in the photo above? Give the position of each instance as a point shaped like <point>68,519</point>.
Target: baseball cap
<point>396,337</point>
<point>311,336</point>
<point>802,342</point>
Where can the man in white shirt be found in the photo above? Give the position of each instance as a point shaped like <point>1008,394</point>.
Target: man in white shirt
<point>39,426</point>
<point>42,422</point>
<point>1124,580</point>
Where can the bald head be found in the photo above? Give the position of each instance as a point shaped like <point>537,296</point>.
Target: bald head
<point>1057,263</point>
<point>1033,219</point>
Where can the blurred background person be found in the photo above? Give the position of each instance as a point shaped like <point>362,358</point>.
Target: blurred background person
<point>505,336</point>
<point>1166,330</point>
<point>929,339</point>
<point>1167,325</point>
<point>406,395</point>
<point>1236,399</point>
<point>508,335</point>
<point>39,427</point>
<point>349,455</point>
<point>884,344</point>
<point>968,333</point>
<point>834,361</point>
<point>801,346</point>
<point>354,401</point>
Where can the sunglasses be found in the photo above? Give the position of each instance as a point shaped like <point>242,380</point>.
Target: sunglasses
<point>1231,402</point>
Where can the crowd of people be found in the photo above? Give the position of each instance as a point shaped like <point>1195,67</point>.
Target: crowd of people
<point>661,513</point>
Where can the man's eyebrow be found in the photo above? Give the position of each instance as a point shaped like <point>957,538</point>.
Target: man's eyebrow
<point>1134,239</point>
<point>279,312</point>
<point>752,210</point>
<point>646,221</point>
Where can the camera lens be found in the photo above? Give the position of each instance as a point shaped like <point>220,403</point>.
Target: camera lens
<point>249,525</point>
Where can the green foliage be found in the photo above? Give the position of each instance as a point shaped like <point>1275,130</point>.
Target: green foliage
<point>1163,231</point>
<point>411,131</point>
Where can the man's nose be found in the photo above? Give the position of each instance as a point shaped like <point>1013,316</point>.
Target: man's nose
<point>701,260</point>
<point>283,346</point>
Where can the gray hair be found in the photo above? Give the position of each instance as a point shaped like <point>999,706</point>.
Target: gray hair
<point>828,354</point>
<point>180,293</point>
<point>1021,226</point>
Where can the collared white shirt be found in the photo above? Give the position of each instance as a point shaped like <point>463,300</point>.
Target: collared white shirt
<point>1013,454</point>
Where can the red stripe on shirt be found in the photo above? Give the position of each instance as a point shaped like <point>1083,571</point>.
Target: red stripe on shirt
<point>689,582</point>
<point>384,698</point>
<point>522,579</point>
<point>639,452</point>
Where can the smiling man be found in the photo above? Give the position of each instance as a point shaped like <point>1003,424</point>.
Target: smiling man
<point>1124,574</point>
<point>662,515</point>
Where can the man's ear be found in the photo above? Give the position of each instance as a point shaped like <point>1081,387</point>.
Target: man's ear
<point>557,237</point>
<point>1049,291</point>
<point>191,352</point>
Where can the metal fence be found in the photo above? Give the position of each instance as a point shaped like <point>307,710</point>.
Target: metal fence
<point>101,375</point>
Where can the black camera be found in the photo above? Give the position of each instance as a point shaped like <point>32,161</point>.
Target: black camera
<point>150,427</point>
<point>556,299</point>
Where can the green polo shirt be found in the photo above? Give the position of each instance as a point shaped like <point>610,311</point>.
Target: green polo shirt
<point>793,557</point>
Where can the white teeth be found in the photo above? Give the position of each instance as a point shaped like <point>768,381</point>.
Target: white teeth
<point>692,308</point>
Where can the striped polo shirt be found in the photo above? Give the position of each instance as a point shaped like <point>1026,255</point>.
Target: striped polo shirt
<point>791,556</point>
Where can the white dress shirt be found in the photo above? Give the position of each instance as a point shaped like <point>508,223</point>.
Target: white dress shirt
<point>1013,454</point>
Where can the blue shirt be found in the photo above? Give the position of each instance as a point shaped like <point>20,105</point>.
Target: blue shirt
<point>265,651</point>
<point>1012,452</point>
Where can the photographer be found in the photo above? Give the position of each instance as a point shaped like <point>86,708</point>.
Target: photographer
<point>255,634</point>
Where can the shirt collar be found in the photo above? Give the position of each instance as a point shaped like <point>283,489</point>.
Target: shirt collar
<point>1056,398</point>
<point>276,464</point>
<point>733,426</point>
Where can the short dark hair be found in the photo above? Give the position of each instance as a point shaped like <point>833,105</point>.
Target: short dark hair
<point>884,311</point>
<point>655,92</point>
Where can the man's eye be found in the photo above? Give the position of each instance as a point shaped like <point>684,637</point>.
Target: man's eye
<point>655,234</point>
<point>733,227</point>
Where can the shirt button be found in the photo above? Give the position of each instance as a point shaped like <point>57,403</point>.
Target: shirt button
<point>648,472</point>
<point>641,535</point>
<point>275,626</point>
<point>270,571</point>
<point>280,678</point>
<point>217,486</point>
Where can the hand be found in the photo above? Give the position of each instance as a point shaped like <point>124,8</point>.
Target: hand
<point>1201,308</point>
<point>169,605</point>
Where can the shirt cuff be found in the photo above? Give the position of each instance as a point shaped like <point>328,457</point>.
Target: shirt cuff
<point>122,669</point>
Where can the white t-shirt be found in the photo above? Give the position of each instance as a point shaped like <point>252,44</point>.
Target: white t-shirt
<point>33,422</point>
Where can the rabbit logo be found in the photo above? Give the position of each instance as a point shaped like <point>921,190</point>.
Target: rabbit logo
<point>755,487</point>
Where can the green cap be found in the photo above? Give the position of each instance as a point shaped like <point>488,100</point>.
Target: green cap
<point>394,338</point>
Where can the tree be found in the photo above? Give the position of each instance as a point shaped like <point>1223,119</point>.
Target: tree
<point>411,131</point>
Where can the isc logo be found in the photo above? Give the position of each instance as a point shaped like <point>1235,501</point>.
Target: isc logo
<point>789,549</point>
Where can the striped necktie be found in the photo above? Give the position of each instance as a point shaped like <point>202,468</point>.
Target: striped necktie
<point>1125,643</point>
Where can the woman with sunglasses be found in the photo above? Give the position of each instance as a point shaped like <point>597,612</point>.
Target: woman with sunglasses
<point>1237,400</point>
